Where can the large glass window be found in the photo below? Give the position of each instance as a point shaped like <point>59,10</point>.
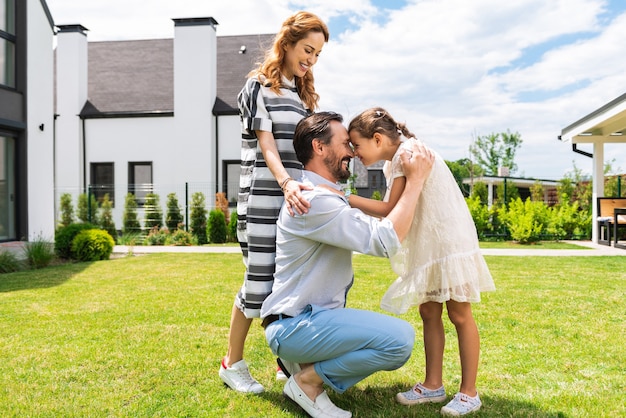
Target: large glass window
<point>140,180</point>
<point>7,42</point>
<point>102,181</point>
<point>7,188</point>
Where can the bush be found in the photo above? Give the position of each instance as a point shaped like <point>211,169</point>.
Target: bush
<point>526,220</point>
<point>9,262</point>
<point>180,237</point>
<point>92,245</point>
<point>153,212</point>
<point>157,236</point>
<point>130,221</point>
<point>198,217</point>
<point>480,214</point>
<point>87,212</point>
<point>217,227</point>
<point>65,235</point>
<point>106,217</point>
<point>67,210</point>
<point>232,227</point>
<point>39,253</point>
<point>173,217</point>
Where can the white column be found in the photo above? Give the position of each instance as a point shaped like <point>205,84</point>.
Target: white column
<point>597,187</point>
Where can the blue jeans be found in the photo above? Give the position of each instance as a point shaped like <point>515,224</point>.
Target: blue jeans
<point>345,345</point>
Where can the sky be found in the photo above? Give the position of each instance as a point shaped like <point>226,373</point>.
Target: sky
<point>452,70</point>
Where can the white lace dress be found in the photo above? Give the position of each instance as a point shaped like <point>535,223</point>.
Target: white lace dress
<point>440,258</point>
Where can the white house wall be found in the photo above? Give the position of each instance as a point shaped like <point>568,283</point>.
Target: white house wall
<point>39,115</point>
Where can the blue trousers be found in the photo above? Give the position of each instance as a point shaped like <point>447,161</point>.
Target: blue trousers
<point>345,345</point>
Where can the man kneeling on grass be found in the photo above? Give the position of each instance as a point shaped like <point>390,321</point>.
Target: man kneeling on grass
<point>317,339</point>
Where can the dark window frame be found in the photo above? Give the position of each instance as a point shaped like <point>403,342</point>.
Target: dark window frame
<point>98,188</point>
<point>140,189</point>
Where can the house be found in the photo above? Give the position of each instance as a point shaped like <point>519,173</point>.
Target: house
<point>156,115</point>
<point>522,184</point>
<point>26,121</point>
<point>604,125</point>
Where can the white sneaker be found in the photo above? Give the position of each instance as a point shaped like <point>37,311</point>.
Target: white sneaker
<point>288,368</point>
<point>238,378</point>
<point>322,407</point>
<point>461,404</point>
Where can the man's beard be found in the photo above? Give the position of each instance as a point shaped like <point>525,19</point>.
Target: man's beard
<point>337,169</point>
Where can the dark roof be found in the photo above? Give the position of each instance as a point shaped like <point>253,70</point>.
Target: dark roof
<point>137,77</point>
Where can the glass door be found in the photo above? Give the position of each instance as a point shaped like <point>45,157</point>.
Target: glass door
<point>7,188</point>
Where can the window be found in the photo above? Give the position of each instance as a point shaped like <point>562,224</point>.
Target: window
<point>230,183</point>
<point>7,42</point>
<point>102,181</point>
<point>140,180</point>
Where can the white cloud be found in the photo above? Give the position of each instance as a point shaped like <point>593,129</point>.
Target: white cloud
<point>451,69</point>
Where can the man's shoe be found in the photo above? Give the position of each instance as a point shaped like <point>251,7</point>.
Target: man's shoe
<point>238,378</point>
<point>289,368</point>
<point>322,407</point>
<point>461,404</point>
<point>419,394</point>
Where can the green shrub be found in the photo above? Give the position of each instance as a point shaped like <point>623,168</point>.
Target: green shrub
<point>65,235</point>
<point>131,238</point>
<point>157,236</point>
<point>9,262</point>
<point>376,195</point>
<point>106,217</point>
<point>217,227</point>
<point>87,212</point>
<point>92,245</point>
<point>180,237</point>
<point>480,214</point>
<point>153,212</point>
<point>173,217</point>
<point>39,253</point>
<point>67,210</point>
<point>526,221</point>
<point>232,227</point>
<point>130,220</point>
<point>198,217</point>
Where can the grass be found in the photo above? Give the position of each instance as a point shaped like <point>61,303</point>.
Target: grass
<point>541,245</point>
<point>143,336</point>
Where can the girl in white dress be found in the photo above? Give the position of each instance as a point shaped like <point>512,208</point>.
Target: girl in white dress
<point>440,259</point>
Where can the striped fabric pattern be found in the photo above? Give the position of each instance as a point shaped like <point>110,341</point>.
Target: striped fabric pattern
<point>260,196</point>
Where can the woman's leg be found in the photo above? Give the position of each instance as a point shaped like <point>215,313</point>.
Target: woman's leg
<point>434,343</point>
<point>460,313</point>
<point>239,327</point>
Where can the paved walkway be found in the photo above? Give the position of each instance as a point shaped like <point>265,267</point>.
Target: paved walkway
<point>591,249</point>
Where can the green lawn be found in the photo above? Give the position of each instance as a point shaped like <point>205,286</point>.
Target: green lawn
<point>143,336</point>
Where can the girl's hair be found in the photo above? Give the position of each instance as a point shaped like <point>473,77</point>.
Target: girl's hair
<point>377,119</point>
<point>294,29</point>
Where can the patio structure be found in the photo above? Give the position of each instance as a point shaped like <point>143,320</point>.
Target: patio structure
<point>602,126</point>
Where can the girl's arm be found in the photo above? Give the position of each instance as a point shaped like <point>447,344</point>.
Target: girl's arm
<point>291,188</point>
<point>379,208</point>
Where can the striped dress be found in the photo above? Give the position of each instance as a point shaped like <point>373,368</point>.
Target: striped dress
<point>260,196</point>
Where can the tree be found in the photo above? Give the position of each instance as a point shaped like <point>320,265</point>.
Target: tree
<point>131,223</point>
<point>463,169</point>
<point>153,212</point>
<point>198,217</point>
<point>67,210</point>
<point>106,221</point>
<point>496,150</point>
<point>87,211</point>
<point>173,217</point>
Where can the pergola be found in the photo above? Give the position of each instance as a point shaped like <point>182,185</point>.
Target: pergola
<point>603,126</point>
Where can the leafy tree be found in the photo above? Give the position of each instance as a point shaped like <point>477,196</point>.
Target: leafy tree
<point>480,190</point>
<point>463,169</point>
<point>507,196</point>
<point>198,217</point>
<point>131,222</point>
<point>496,150</point>
<point>173,217</point>
<point>217,227</point>
<point>536,192</point>
<point>154,214</point>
